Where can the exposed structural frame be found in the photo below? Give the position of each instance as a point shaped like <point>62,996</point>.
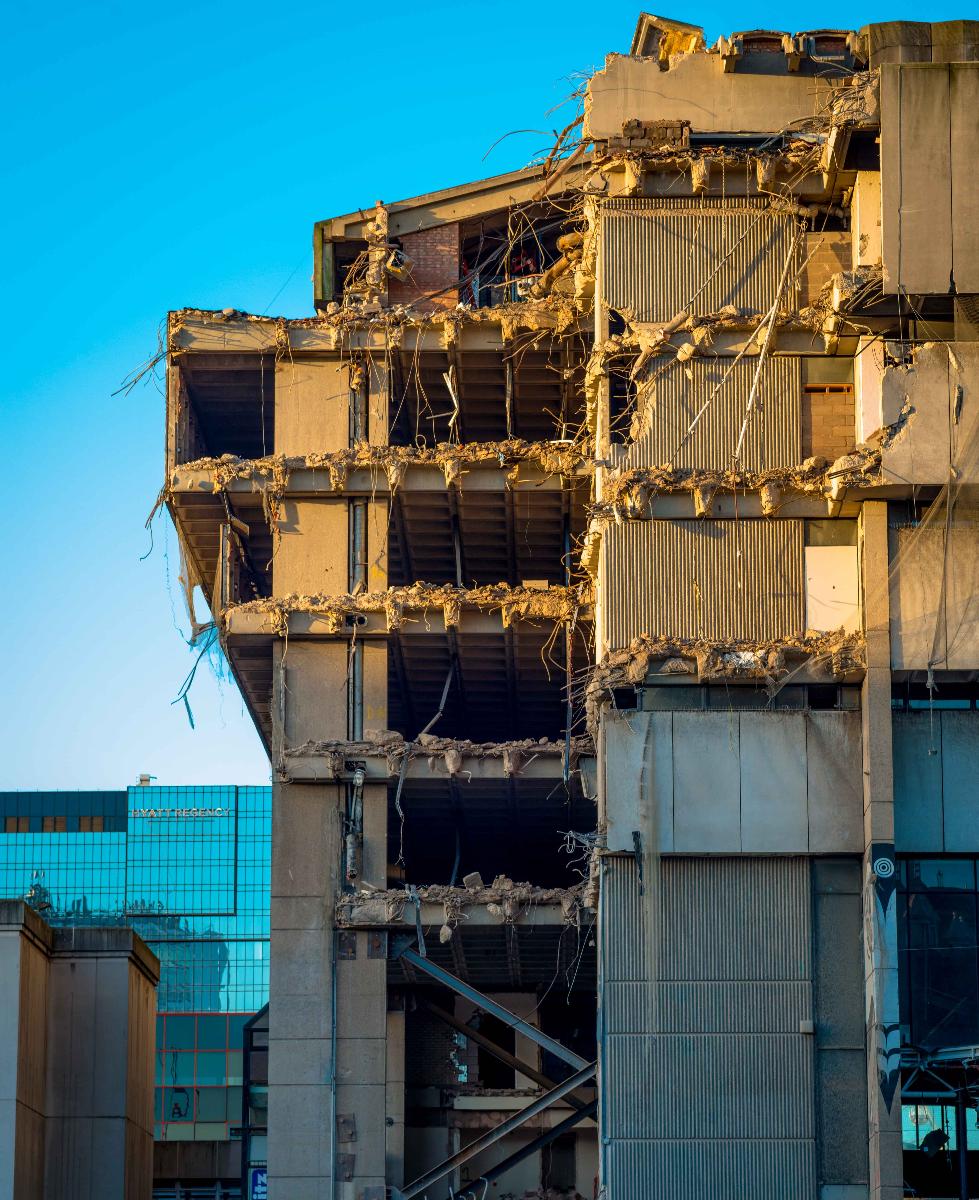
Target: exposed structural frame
<point>559,1091</point>
<point>493,1007</point>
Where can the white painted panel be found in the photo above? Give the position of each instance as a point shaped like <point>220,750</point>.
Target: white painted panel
<point>865,219</point>
<point>706,783</point>
<point>834,771</point>
<point>773,783</point>
<point>832,588</point>
<point>868,374</point>
<point>639,779</point>
<point>960,781</point>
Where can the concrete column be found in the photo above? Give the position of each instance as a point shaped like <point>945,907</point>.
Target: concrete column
<point>305,867</point>
<point>361,1065</point>
<point>880,877</point>
<point>395,1098</point>
<point>25,948</point>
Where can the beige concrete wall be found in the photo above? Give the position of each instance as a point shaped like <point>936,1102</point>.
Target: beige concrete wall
<point>696,88</point>
<point>311,555</point>
<point>929,142</point>
<point>23,993</point>
<point>312,406</point>
<point>735,782</point>
<point>310,690</point>
<point>101,1024</point>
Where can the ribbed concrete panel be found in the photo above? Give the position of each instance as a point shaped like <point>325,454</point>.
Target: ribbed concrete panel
<point>775,1170</point>
<point>623,955</point>
<point>729,1007</point>
<point>728,919</point>
<point>773,435</point>
<point>735,919</point>
<point>740,1086</point>
<point>718,579</point>
<point>709,1084</point>
<point>656,257</point>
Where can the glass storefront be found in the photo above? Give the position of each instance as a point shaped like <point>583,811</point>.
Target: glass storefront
<point>189,868</point>
<point>939,958</point>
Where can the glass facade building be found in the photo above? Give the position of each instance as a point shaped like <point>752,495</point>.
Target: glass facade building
<point>189,868</point>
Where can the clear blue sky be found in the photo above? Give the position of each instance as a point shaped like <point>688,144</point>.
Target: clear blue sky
<point>158,157</point>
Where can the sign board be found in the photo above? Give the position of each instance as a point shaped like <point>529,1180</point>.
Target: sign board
<point>258,1183</point>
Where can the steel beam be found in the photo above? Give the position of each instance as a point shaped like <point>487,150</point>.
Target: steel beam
<point>491,1136</point>
<point>504,1056</point>
<point>538,1143</point>
<point>447,979</point>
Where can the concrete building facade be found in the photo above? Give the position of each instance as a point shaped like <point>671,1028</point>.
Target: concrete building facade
<point>596,564</point>
<point>76,1072</point>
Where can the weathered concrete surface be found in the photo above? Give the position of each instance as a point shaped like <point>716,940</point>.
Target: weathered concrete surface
<point>696,89</point>
<point>78,1026</point>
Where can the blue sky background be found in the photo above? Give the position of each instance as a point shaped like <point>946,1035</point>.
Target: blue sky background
<point>158,157</point>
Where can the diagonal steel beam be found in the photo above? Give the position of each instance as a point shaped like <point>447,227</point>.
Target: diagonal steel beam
<point>504,1056</point>
<point>447,979</point>
<point>548,1136</point>
<point>491,1136</point>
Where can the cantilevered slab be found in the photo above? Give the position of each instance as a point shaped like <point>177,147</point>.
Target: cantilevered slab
<point>312,482</point>
<point>461,203</point>
<point>443,758</point>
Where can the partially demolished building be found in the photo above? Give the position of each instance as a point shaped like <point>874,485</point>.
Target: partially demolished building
<point>597,565</point>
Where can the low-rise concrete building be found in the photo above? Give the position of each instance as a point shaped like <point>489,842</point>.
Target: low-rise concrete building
<point>78,1012</point>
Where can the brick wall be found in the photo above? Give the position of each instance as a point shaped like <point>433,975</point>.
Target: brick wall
<point>435,268</point>
<point>830,254</point>
<point>430,1050</point>
<point>828,420</point>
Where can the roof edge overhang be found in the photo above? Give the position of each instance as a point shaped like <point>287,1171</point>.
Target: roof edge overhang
<point>456,203</point>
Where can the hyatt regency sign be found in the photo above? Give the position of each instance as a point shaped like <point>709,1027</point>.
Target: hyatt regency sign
<point>164,813</point>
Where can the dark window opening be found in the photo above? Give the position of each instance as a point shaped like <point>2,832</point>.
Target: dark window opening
<point>909,695</point>
<point>720,697</point>
<point>939,958</point>
<point>493,1073</point>
<point>516,828</point>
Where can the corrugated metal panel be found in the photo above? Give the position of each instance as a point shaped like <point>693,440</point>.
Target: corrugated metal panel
<point>697,1007</point>
<point>739,1086</point>
<point>719,579</point>
<point>775,1170</point>
<point>686,203</point>
<point>655,258</point>
<point>773,437</point>
<point>709,1090</point>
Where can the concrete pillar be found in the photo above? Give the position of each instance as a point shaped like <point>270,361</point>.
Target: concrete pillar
<point>305,868</point>
<point>880,876</point>
<point>25,948</point>
<point>395,1098</point>
<point>361,1065</point>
